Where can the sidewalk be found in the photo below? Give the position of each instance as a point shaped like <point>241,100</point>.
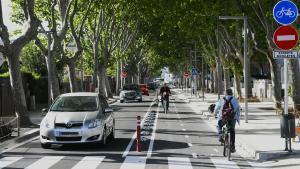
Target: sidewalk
<point>260,137</point>
<point>29,133</point>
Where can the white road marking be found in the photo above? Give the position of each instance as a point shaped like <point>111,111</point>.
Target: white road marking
<point>186,136</point>
<point>224,164</point>
<point>181,124</point>
<point>190,144</point>
<point>286,37</point>
<point>216,150</point>
<point>134,135</point>
<point>179,163</point>
<point>194,155</point>
<point>134,162</point>
<point>31,131</point>
<point>20,144</point>
<point>6,161</point>
<point>89,162</point>
<point>149,153</point>
<point>183,129</point>
<point>45,162</point>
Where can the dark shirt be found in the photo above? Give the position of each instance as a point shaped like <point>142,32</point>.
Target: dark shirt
<point>165,89</point>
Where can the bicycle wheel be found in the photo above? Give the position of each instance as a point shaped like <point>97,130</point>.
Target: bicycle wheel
<point>225,145</point>
<point>165,106</point>
<point>229,146</point>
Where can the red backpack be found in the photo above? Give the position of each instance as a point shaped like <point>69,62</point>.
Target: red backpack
<point>228,110</point>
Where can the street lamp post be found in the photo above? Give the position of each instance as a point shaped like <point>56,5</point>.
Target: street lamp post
<point>246,62</point>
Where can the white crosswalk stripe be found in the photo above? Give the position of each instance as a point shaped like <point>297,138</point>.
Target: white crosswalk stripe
<point>89,162</point>
<point>224,164</point>
<point>45,162</point>
<point>134,162</point>
<point>6,161</point>
<point>179,163</point>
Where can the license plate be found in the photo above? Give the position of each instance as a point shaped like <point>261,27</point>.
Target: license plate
<point>69,133</point>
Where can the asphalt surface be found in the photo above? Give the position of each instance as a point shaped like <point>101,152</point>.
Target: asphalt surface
<point>177,140</point>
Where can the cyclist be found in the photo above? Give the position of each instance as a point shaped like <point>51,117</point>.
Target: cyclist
<point>232,120</point>
<point>165,92</point>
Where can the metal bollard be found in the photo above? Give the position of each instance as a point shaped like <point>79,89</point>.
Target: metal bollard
<point>18,123</point>
<point>138,135</point>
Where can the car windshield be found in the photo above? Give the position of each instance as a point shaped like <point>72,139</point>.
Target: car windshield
<point>75,103</point>
<point>131,87</point>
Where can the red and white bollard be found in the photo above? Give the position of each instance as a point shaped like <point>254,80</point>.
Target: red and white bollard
<point>138,135</point>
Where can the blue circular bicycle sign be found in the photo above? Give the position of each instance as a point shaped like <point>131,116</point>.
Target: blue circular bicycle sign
<point>285,12</point>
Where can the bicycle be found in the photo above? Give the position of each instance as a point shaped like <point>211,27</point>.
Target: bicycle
<point>285,12</point>
<point>164,104</point>
<point>227,141</point>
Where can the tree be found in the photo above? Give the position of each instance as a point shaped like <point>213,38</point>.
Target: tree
<point>12,49</point>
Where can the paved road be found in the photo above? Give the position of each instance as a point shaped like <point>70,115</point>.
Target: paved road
<point>177,140</point>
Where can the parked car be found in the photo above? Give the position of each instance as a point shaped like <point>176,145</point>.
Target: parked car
<point>144,89</point>
<point>77,118</point>
<point>130,92</point>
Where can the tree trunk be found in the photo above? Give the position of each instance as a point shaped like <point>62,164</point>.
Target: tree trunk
<point>237,85</point>
<point>108,88</point>
<point>72,76</point>
<point>276,82</point>
<point>96,65</point>
<point>226,78</point>
<point>215,77</point>
<point>295,69</point>
<point>118,78</point>
<point>101,80</point>
<point>212,80</point>
<point>52,76</point>
<point>17,88</point>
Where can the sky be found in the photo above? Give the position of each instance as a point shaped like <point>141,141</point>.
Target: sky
<point>7,11</point>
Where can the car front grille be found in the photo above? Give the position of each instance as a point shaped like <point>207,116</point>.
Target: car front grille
<point>63,125</point>
<point>68,138</point>
<point>132,94</point>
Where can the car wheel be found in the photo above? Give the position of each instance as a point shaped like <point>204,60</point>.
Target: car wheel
<point>121,101</point>
<point>45,145</point>
<point>104,137</point>
<point>112,135</point>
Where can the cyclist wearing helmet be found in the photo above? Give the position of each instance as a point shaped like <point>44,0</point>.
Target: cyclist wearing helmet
<point>165,93</point>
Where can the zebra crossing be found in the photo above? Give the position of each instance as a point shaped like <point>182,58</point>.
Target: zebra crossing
<point>94,162</point>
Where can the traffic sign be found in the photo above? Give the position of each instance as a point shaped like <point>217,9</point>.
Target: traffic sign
<point>195,71</point>
<point>285,12</point>
<point>1,59</point>
<point>124,74</point>
<point>186,74</point>
<point>285,37</point>
<point>286,54</point>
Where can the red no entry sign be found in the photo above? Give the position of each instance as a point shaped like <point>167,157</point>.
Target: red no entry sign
<point>124,74</point>
<point>285,37</point>
<point>186,74</point>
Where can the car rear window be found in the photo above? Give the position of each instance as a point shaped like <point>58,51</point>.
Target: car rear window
<point>75,103</point>
<point>131,87</point>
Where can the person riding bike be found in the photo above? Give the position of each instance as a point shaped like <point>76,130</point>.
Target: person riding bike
<point>165,92</point>
<point>226,118</point>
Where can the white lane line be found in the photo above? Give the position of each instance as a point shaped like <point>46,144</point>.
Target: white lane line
<point>134,162</point>
<point>134,135</point>
<point>186,136</point>
<point>149,153</point>
<point>194,155</point>
<point>18,145</point>
<point>216,150</point>
<point>224,164</point>
<point>6,161</point>
<point>45,162</point>
<point>89,162</point>
<point>179,163</point>
<point>190,144</point>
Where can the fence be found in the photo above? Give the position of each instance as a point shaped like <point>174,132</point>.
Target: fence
<point>9,126</point>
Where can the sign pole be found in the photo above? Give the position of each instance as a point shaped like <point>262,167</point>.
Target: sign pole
<point>286,101</point>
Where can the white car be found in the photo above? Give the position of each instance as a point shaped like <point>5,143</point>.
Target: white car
<point>77,118</point>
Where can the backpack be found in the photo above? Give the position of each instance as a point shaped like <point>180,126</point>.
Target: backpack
<point>228,110</point>
<point>211,108</point>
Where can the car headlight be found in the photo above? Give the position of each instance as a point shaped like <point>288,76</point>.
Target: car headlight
<point>48,124</point>
<point>95,123</point>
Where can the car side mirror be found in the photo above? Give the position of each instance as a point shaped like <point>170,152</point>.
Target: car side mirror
<point>44,111</point>
<point>108,110</point>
